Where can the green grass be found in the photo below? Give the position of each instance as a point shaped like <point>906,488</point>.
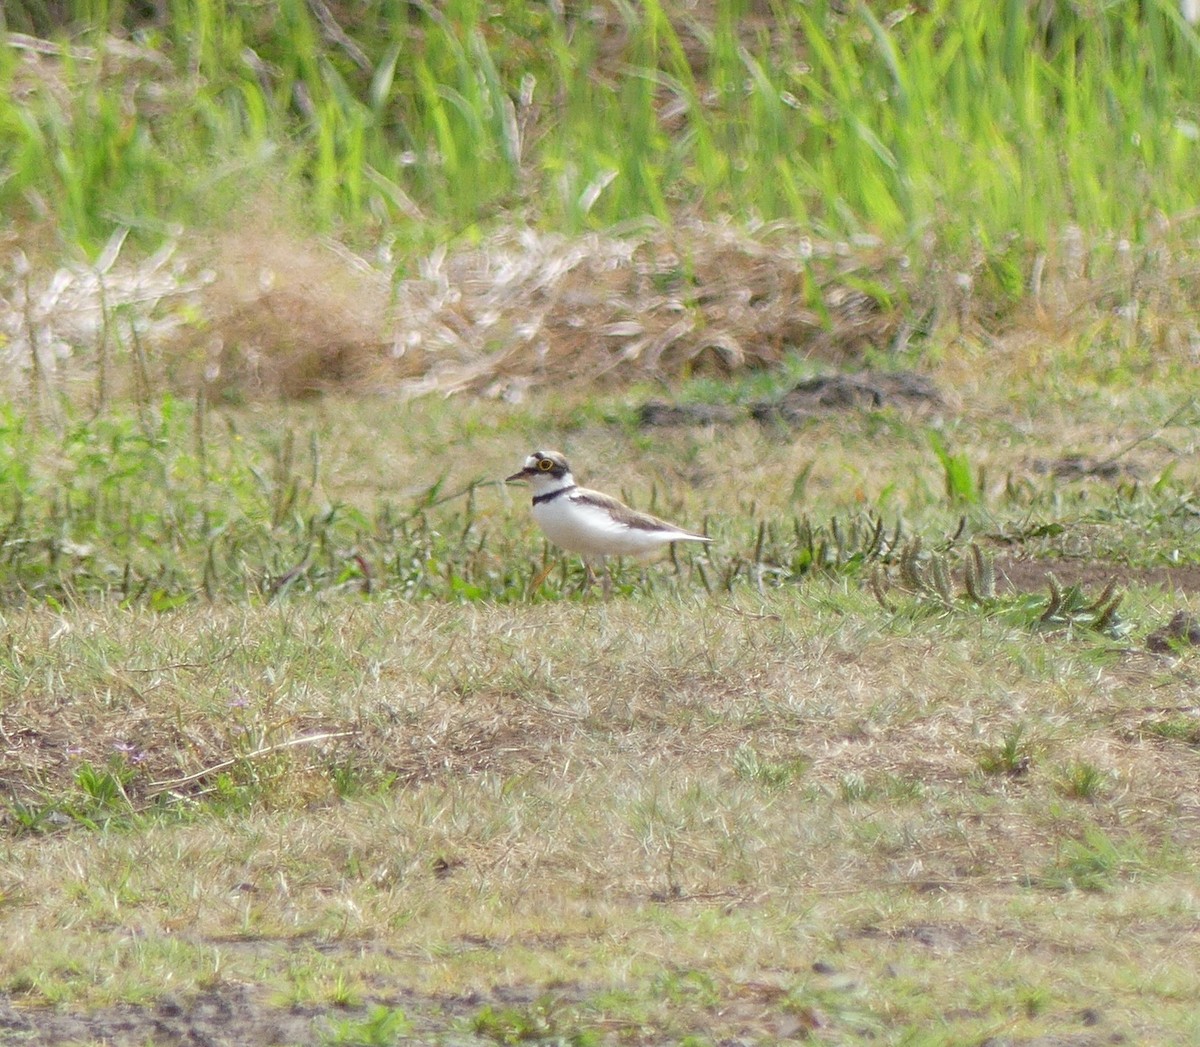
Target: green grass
<point>1012,755</point>
<point>167,504</point>
<point>164,504</point>
<point>384,1026</point>
<point>1096,862</point>
<point>975,123</point>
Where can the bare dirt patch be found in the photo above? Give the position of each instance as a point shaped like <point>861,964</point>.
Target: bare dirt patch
<point>224,1017</point>
<point>234,1015</point>
<point>868,390</point>
<point>1026,575</point>
<point>808,400</point>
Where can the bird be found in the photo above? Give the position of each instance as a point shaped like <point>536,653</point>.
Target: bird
<point>590,523</point>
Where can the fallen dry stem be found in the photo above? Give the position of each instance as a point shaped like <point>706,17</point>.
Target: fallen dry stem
<point>156,788</point>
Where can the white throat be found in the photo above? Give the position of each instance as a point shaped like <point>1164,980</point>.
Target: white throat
<point>541,485</point>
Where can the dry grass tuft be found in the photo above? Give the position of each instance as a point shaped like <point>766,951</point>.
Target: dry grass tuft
<point>527,309</point>
<point>64,322</point>
<point>282,317</point>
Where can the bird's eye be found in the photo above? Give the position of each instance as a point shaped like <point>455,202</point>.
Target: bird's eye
<point>545,465</point>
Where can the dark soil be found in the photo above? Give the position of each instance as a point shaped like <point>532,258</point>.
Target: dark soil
<point>225,1017</point>
<point>869,390</point>
<point>1094,575</point>
<point>237,1015</point>
<point>812,398</point>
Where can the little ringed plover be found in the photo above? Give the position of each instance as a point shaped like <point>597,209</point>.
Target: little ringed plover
<point>587,522</point>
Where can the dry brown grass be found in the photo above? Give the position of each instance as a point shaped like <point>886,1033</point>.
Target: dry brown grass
<point>258,313</point>
<point>281,317</point>
<point>572,805</point>
<point>528,310</point>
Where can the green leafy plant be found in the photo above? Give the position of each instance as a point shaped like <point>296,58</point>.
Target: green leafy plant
<point>1013,755</point>
<point>33,817</point>
<point>1071,607</point>
<point>1081,780</point>
<point>787,551</point>
<point>382,1027</point>
<point>1096,862</point>
<point>929,576</point>
<point>962,488</point>
<point>749,766</point>
<point>544,1022</point>
<point>103,798</point>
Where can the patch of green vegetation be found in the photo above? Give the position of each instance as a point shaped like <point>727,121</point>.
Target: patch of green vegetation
<point>744,387</point>
<point>166,504</point>
<point>382,1027</point>
<point>1179,728</point>
<point>866,788</point>
<point>690,986</point>
<point>1097,862</point>
<point>929,577</point>
<point>102,792</point>
<point>1013,755</point>
<point>97,800</point>
<point>1081,780</point>
<point>546,1021</point>
<point>962,485</point>
<point>787,550</point>
<point>152,509</point>
<point>750,766</point>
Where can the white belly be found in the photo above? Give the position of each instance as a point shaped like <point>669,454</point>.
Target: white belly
<point>591,532</point>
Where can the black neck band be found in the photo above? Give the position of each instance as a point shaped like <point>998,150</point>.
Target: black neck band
<point>542,499</point>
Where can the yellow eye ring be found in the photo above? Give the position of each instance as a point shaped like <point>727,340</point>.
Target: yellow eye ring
<point>545,465</point>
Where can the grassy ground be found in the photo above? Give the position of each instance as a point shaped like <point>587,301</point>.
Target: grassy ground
<point>308,737</point>
<point>762,811</point>
<point>664,817</point>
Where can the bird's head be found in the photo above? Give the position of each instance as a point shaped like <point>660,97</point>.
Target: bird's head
<point>542,469</point>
